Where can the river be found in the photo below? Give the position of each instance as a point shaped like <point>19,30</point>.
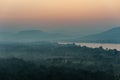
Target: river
<point>96,45</point>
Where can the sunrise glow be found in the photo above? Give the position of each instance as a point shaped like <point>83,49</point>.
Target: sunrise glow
<point>61,10</point>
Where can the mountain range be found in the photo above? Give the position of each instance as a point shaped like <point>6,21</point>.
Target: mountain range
<point>31,36</point>
<point>109,36</point>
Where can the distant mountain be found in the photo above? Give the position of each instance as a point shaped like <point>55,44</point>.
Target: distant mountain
<point>109,36</point>
<point>4,36</point>
<point>32,35</point>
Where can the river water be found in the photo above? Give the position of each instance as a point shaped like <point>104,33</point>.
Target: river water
<point>96,45</point>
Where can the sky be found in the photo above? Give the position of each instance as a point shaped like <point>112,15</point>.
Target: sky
<point>59,15</point>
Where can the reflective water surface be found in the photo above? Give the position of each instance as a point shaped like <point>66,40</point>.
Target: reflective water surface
<point>95,45</point>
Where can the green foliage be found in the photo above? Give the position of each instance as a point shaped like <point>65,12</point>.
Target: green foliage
<point>53,61</point>
<point>17,69</point>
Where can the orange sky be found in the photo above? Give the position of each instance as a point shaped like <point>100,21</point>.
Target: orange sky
<point>60,10</point>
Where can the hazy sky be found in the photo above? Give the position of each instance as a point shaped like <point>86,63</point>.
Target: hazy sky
<point>88,15</point>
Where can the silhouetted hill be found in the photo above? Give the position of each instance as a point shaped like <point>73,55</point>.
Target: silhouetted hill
<point>110,36</point>
<point>32,35</point>
<point>28,32</point>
